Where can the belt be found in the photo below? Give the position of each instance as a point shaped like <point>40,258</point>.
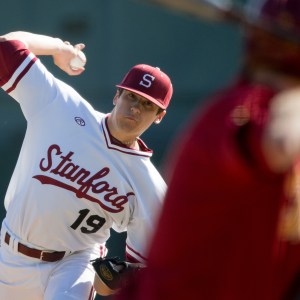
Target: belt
<point>35,253</point>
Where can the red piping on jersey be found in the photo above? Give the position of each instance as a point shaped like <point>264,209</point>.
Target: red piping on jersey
<point>21,75</point>
<point>91,296</point>
<point>148,152</point>
<point>138,254</point>
<point>102,250</point>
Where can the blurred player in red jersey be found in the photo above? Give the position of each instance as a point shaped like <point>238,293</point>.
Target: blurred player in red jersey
<point>230,227</point>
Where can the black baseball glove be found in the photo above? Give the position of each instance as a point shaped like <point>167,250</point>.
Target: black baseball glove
<point>113,272</point>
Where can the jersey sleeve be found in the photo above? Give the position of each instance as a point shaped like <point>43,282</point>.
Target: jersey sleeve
<point>25,78</point>
<point>139,222</point>
<point>142,225</point>
<point>12,54</point>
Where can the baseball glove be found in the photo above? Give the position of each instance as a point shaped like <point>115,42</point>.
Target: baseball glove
<point>114,273</point>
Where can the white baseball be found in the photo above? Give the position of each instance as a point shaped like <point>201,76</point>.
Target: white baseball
<point>78,61</point>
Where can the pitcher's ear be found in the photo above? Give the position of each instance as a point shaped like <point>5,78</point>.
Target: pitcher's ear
<point>116,97</point>
<point>160,116</point>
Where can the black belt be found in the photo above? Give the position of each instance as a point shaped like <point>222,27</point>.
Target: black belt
<point>35,253</point>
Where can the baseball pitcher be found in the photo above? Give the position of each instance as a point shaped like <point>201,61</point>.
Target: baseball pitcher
<point>80,172</point>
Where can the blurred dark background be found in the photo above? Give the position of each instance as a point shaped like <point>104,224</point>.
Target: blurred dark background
<point>199,56</point>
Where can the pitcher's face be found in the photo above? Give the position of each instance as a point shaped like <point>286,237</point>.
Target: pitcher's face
<point>134,113</point>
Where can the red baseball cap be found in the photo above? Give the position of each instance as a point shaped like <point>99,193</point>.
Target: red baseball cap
<point>149,82</point>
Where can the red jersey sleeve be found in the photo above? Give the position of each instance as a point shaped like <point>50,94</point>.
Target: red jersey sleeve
<point>12,54</point>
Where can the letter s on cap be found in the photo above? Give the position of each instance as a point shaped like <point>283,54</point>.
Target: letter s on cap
<point>147,80</point>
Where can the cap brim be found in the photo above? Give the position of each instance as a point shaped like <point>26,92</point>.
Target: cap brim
<point>143,95</point>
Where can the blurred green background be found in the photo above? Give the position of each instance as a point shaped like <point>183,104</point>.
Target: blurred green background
<point>199,56</point>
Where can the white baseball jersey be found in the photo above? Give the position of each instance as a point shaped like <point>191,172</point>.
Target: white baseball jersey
<point>72,183</point>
